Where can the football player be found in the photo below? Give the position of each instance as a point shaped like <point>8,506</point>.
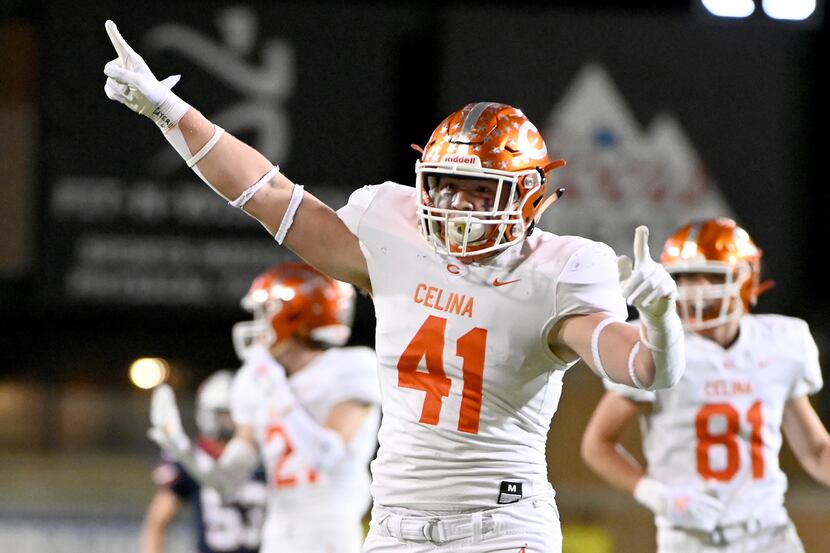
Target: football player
<point>304,406</point>
<point>711,443</point>
<point>230,525</point>
<point>478,316</point>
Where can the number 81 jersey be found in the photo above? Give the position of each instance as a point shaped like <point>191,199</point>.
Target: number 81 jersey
<point>468,382</point>
<point>719,428</point>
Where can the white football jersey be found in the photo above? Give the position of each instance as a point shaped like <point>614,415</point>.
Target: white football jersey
<point>295,490</point>
<point>469,384</point>
<point>720,426</point>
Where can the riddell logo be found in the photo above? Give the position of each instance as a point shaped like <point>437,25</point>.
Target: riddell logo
<point>462,160</point>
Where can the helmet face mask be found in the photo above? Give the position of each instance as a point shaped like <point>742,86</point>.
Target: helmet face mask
<point>479,230</point>
<point>488,141</point>
<point>717,268</point>
<point>712,300</point>
<point>294,300</point>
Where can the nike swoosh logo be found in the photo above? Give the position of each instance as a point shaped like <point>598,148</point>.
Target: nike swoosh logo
<point>497,282</point>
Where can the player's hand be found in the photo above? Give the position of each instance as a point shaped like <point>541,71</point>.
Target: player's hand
<point>684,507</point>
<point>646,285</point>
<point>166,424</point>
<point>130,81</point>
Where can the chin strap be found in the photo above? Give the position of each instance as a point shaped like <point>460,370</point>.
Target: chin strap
<point>763,287</point>
<point>550,200</point>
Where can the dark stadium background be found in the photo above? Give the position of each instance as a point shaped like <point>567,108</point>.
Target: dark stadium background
<point>371,79</point>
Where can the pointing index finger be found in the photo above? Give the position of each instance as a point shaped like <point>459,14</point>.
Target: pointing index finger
<point>118,42</point>
<point>641,252</point>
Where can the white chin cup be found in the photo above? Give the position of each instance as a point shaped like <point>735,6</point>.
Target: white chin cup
<point>474,229</point>
<point>249,334</point>
<point>331,335</point>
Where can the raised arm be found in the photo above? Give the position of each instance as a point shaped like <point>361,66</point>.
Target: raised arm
<point>236,171</point>
<point>649,355</point>
<point>238,460</point>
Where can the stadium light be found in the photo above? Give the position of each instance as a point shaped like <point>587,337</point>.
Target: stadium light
<point>793,10</point>
<point>149,372</point>
<point>730,8</point>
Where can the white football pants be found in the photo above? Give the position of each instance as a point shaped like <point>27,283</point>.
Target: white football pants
<point>529,526</point>
<point>773,539</point>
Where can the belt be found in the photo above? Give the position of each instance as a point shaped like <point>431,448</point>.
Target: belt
<point>733,532</point>
<point>438,530</point>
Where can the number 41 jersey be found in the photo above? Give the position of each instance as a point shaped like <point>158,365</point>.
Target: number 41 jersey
<point>719,428</point>
<point>468,382</point>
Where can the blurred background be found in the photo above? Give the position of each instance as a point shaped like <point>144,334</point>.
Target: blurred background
<point>111,251</point>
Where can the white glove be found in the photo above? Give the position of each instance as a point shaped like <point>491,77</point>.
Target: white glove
<point>686,508</point>
<point>131,82</point>
<point>238,459</point>
<point>651,289</point>
<point>166,429</point>
<point>648,287</point>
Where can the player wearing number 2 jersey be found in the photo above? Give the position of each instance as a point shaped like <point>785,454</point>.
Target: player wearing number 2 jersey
<point>303,406</point>
<point>712,442</point>
<point>478,314</point>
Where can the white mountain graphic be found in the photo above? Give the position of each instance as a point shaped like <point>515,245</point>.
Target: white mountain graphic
<point>619,176</point>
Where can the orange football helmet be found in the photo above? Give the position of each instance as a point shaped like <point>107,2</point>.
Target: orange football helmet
<point>491,141</point>
<point>714,246</point>
<point>294,299</point>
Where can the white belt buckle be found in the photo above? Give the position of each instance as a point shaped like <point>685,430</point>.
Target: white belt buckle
<point>428,529</point>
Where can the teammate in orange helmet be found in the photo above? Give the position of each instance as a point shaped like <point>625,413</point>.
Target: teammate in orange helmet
<point>478,314</point>
<point>304,406</point>
<point>711,443</point>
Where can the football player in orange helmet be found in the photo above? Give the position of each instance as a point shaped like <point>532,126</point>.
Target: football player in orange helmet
<point>303,404</point>
<point>478,314</point>
<point>712,442</point>
<point>718,268</point>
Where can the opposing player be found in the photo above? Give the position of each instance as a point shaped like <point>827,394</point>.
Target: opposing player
<point>223,525</point>
<point>478,316</point>
<point>304,406</point>
<point>712,442</point>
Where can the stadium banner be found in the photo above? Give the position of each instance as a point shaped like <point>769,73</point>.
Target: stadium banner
<point>122,221</point>
<point>661,119</point>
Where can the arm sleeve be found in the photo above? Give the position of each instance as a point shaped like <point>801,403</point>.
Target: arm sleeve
<point>629,392</point>
<point>811,380</point>
<point>589,283</point>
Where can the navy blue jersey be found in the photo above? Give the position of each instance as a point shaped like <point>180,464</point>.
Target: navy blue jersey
<point>232,526</point>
